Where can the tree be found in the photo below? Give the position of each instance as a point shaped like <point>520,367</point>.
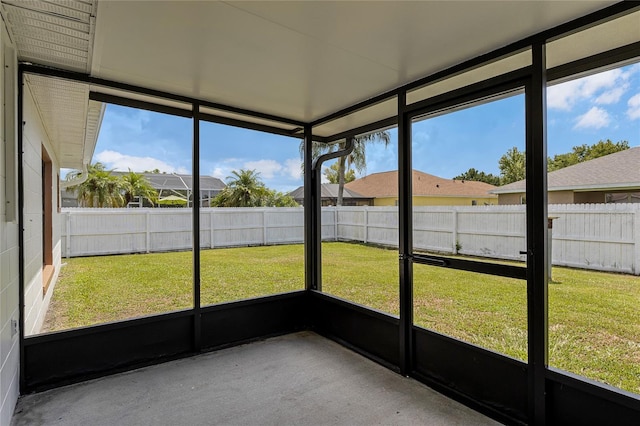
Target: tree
<point>357,158</point>
<point>244,189</point>
<point>136,185</point>
<point>478,176</point>
<point>331,173</point>
<point>512,166</point>
<point>585,152</point>
<point>154,171</point>
<point>274,198</point>
<point>100,189</point>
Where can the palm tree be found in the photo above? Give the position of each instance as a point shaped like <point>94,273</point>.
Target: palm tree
<point>100,189</point>
<point>244,189</point>
<point>136,185</point>
<point>357,158</point>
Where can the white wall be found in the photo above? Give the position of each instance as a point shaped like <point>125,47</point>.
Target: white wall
<point>34,138</point>
<point>9,350</point>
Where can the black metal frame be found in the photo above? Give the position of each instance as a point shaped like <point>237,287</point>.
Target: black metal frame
<point>506,389</point>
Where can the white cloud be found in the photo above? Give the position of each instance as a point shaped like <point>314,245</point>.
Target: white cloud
<point>595,118</point>
<point>267,168</point>
<point>292,168</point>
<point>563,96</point>
<point>274,173</point>
<point>122,162</point>
<point>603,88</point>
<point>612,96</point>
<point>220,173</point>
<point>634,107</point>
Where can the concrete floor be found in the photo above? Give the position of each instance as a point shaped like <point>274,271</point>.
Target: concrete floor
<point>297,379</point>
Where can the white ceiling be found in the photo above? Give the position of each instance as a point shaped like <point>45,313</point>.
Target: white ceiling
<point>304,60</point>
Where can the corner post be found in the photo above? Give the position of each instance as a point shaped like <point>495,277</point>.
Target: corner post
<point>21,225</point>
<point>312,245</point>
<point>195,232</point>
<point>537,238</point>
<point>405,243</point>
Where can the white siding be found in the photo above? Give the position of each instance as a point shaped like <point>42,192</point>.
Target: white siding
<point>9,351</point>
<point>34,138</point>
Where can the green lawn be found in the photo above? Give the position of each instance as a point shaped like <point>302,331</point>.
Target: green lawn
<point>593,317</point>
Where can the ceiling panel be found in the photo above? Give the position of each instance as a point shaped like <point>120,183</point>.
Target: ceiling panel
<point>304,60</point>
<point>609,35</point>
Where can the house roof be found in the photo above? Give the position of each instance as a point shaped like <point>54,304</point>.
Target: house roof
<point>614,171</point>
<point>174,181</point>
<point>329,190</point>
<point>385,184</point>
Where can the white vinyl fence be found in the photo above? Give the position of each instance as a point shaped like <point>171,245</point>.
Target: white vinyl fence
<point>594,236</point>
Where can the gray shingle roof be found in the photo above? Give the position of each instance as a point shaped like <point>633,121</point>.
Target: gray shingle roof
<point>173,181</point>
<point>618,170</point>
<point>327,190</point>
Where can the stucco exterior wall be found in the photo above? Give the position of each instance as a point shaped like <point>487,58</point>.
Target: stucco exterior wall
<point>555,197</point>
<point>34,139</point>
<point>561,197</point>
<point>590,197</point>
<point>9,312</point>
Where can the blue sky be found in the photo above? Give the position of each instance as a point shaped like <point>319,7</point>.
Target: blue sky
<point>583,111</point>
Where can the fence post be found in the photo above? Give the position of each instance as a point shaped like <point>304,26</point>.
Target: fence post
<point>454,232</point>
<point>636,242</point>
<point>335,223</point>
<point>211,229</point>
<point>264,227</point>
<point>366,224</point>
<point>68,236</point>
<point>147,232</point>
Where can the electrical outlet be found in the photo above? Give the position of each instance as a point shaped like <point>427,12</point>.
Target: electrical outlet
<point>14,327</point>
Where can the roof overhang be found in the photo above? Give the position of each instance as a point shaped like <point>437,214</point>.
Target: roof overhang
<point>71,120</point>
<point>616,186</point>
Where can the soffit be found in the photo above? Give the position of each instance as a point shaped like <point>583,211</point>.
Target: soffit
<point>53,33</point>
<point>304,60</point>
<point>70,119</point>
<point>59,34</point>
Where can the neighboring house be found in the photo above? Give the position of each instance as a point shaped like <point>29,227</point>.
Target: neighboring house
<point>614,178</point>
<point>329,194</point>
<point>173,185</point>
<point>428,190</point>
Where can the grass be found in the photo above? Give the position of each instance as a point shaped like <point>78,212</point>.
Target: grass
<point>594,328</point>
